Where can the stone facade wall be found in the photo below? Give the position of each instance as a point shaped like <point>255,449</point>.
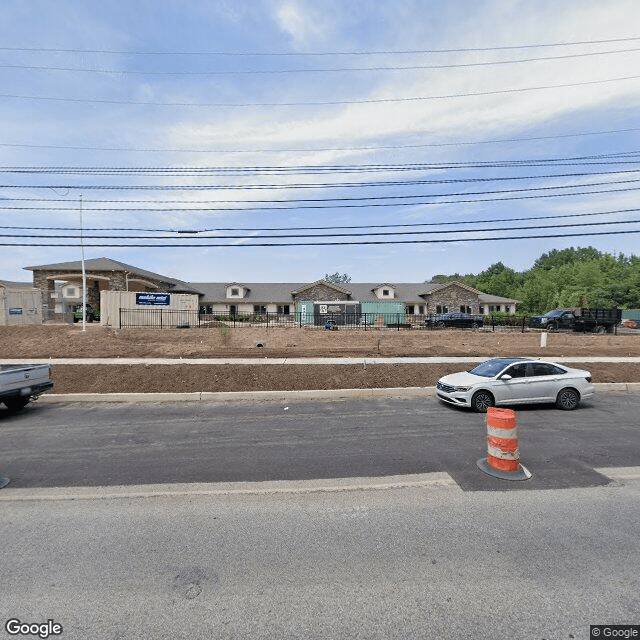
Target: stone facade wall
<point>96,281</point>
<point>320,292</point>
<point>453,298</point>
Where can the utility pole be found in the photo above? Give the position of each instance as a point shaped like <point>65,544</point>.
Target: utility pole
<point>84,274</point>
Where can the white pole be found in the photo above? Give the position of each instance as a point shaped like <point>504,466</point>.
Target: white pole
<point>84,274</point>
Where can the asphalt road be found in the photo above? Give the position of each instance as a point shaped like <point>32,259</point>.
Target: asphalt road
<point>409,564</point>
<point>51,445</point>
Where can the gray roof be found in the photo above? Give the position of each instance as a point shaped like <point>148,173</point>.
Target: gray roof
<point>487,298</point>
<point>281,292</point>
<point>107,264</point>
<point>265,292</point>
<point>7,284</point>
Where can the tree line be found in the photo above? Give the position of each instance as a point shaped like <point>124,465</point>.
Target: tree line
<point>574,277</point>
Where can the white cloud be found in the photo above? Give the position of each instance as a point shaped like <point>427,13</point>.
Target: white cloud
<point>303,22</point>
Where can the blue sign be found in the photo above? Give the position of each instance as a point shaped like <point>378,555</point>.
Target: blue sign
<point>15,311</point>
<point>153,299</point>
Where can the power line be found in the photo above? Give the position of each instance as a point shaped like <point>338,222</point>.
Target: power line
<point>415,67</point>
<point>368,226</point>
<point>403,183</point>
<point>287,201</point>
<point>323,53</point>
<point>342,234</point>
<point>617,158</point>
<point>319,103</point>
<point>330,243</point>
<point>350,206</point>
<point>318,149</point>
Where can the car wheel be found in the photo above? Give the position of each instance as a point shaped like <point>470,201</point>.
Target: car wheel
<point>439,325</point>
<point>567,399</point>
<point>475,325</point>
<point>481,401</point>
<point>15,404</point>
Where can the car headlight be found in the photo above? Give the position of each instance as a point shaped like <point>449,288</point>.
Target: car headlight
<point>543,321</point>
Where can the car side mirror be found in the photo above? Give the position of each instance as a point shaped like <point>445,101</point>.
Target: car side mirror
<point>506,376</point>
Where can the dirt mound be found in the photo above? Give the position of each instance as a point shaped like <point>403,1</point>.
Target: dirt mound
<point>43,342</point>
<point>64,341</point>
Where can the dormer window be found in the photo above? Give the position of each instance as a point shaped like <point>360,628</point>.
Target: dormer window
<point>236,290</point>
<point>384,291</point>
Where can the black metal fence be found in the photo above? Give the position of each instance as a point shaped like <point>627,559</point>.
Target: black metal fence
<point>171,318</point>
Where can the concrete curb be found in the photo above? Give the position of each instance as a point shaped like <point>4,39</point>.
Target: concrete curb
<point>240,396</point>
<point>269,487</point>
<point>282,396</point>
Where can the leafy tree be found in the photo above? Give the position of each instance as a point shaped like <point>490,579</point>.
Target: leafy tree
<point>558,257</point>
<point>337,278</point>
<point>442,279</point>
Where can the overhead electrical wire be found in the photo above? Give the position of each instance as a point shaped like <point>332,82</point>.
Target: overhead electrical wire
<point>318,103</point>
<point>298,228</point>
<point>323,53</point>
<point>318,149</point>
<point>347,206</point>
<point>402,183</point>
<point>414,67</point>
<point>330,235</point>
<point>618,158</point>
<point>302,200</point>
<point>316,243</point>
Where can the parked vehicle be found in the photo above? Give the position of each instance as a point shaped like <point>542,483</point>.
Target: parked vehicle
<point>20,383</point>
<point>509,381</point>
<point>91,313</point>
<point>596,320</point>
<point>460,320</point>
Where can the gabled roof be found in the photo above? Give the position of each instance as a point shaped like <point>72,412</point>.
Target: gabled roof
<point>107,264</point>
<point>331,285</point>
<point>7,284</point>
<point>444,285</point>
<point>283,292</point>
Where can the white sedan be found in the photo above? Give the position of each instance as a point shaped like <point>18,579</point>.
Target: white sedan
<point>507,381</point>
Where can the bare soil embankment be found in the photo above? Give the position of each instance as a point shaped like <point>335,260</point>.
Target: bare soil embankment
<point>58,341</point>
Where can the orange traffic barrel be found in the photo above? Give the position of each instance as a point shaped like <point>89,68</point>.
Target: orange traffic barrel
<point>503,455</point>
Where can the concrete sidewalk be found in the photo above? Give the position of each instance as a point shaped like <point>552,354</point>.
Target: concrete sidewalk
<point>305,361</point>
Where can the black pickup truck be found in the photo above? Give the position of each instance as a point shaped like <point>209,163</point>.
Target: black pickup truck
<point>458,320</point>
<point>583,319</point>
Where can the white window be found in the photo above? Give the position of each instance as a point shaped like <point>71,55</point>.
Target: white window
<point>235,291</point>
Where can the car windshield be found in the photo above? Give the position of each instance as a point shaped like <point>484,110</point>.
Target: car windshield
<point>555,313</point>
<point>491,368</point>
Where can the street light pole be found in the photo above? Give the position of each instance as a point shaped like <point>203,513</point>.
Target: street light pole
<point>84,274</point>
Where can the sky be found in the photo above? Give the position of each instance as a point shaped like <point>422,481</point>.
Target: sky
<point>420,137</point>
